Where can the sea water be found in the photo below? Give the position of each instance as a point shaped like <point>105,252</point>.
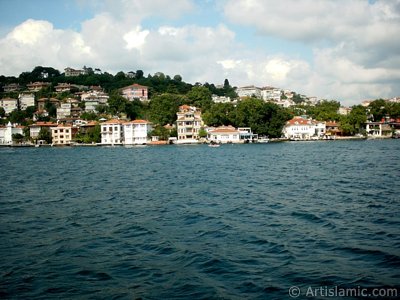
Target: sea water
<point>194,222</point>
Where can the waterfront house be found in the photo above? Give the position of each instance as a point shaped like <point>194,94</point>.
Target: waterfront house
<point>63,134</point>
<point>26,100</point>
<point>135,91</point>
<point>7,132</point>
<point>224,134</point>
<point>112,132</point>
<point>246,135</point>
<point>378,129</point>
<point>333,128</point>
<point>9,104</point>
<point>136,132</point>
<point>35,128</point>
<point>188,123</point>
<point>37,86</point>
<point>299,128</point>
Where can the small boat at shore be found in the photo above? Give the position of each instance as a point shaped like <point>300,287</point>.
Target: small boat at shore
<point>214,145</point>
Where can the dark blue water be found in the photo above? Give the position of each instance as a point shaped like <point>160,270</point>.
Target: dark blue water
<point>193,222</point>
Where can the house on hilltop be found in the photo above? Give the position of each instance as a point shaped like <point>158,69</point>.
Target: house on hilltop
<point>135,91</point>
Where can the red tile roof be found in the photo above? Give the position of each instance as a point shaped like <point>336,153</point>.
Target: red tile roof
<point>43,124</point>
<point>298,121</point>
<point>135,85</point>
<point>113,121</point>
<point>225,129</point>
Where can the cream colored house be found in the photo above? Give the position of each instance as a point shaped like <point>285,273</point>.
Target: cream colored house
<point>188,122</point>
<point>62,134</point>
<point>224,134</point>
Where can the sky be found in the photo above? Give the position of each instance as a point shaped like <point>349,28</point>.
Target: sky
<point>345,50</point>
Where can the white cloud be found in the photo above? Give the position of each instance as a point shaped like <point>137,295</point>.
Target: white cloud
<point>354,50</point>
<point>135,38</point>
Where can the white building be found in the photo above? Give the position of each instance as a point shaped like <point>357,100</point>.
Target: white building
<point>69,72</point>
<point>6,133</point>
<point>188,123</point>
<point>246,134</point>
<point>378,129</point>
<point>112,132</point>
<point>62,134</point>
<point>26,100</point>
<point>136,132</point>
<point>249,91</point>
<point>9,104</point>
<point>91,105</point>
<point>98,95</point>
<point>285,103</point>
<point>269,93</point>
<point>221,99</point>
<point>224,134</point>
<point>64,111</point>
<point>303,128</point>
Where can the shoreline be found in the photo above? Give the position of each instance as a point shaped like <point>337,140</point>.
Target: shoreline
<point>272,141</point>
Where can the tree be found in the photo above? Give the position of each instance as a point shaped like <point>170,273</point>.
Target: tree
<point>17,116</point>
<point>378,109</point>
<point>29,111</point>
<point>17,137</point>
<point>133,109</point>
<point>226,84</point>
<point>120,76</point>
<point>163,108</point>
<point>161,132</point>
<point>264,118</point>
<point>45,134</point>
<point>2,112</point>
<point>200,96</point>
<point>202,132</point>
<point>139,74</point>
<point>92,135</point>
<point>116,103</point>
<point>353,123</point>
<point>324,111</point>
<point>219,114</point>
<point>178,78</point>
<point>89,116</point>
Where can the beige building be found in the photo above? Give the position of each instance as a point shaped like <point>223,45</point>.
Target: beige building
<point>188,122</point>
<point>62,134</point>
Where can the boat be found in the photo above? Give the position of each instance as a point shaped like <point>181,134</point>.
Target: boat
<point>263,140</point>
<point>214,145</point>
